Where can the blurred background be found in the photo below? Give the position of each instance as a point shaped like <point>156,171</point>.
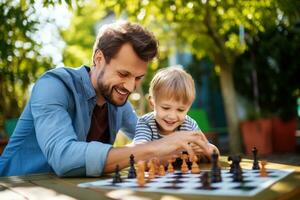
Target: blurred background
<point>243,56</point>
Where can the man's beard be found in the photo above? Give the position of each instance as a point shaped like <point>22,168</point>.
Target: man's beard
<point>106,91</point>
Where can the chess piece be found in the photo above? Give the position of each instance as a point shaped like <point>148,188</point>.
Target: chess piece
<point>156,163</point>
<point>151,172</point>
<point>162,171</point>
<point>236,169</point>
<point>131,172</point>
<point>184,167</point>
<point>117,176</point>
<point>195,168</point>
<point>215,170</point>
<point>205,181</point>
<point>231,164</point>
<point>263,171</point>
<point>255,160</point>
<point>141,173</point>
<point>170,166</point>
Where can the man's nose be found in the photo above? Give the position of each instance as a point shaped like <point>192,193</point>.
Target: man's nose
<point>130,85</point>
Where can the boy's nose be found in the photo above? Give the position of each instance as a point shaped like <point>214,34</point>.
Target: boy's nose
<point>172,115</point>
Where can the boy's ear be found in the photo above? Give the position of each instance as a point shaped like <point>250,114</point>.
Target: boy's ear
<point>150,100</point>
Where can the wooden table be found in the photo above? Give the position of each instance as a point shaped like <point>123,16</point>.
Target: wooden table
<point>49,186</point>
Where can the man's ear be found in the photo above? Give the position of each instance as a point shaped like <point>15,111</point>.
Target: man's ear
<point>98,57</point>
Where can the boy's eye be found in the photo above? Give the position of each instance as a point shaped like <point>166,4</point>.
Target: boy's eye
<point>180,110</point>
<point>165,108</point>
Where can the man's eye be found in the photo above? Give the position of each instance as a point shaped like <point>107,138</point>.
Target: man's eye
<point>138,78</point>
<point>122,74</point>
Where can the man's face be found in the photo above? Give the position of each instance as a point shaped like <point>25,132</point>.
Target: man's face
<point>116,80</point>
<point>169,113</point>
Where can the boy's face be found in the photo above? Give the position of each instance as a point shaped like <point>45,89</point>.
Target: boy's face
<point>169,113</point>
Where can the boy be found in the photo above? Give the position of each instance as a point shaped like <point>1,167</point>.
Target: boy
<point>171,94</point>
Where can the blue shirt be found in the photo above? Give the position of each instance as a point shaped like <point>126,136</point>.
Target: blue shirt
<point>52,130</point>
<point>146,128</point>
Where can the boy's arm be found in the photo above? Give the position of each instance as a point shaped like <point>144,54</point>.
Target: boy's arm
<point>143,132</point>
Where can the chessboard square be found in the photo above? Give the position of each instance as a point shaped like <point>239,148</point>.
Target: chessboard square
<point>225,185</point>
<point>188,185</point>
<point>226,175</point>
<point>157,184</point>
<point>127,184</point>
<point>245,188</point>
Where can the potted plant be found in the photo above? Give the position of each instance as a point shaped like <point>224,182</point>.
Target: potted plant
<point>268,76</point>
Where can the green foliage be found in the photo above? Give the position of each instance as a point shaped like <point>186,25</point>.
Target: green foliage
<point>20,59</point>
<point>81,34</point>
<point>273,55</point>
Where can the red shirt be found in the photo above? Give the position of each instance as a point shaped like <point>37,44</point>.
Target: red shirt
<point>99,130</point>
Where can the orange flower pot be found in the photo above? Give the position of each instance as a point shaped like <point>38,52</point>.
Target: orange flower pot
<point>284,135</point>
<point>257,133</point>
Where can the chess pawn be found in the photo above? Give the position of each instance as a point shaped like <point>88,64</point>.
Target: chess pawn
<point>263,171</point>
<point>170,166</point>
<point>151,172</point>
<point>195,168</point>
<point>141,173</point>
<point>184,167</point>
<point>184,156</point>
<point>117,177</point>
<point>162,171</point>
<point>156,163</point>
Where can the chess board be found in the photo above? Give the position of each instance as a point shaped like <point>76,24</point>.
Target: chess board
<point>187,183</point>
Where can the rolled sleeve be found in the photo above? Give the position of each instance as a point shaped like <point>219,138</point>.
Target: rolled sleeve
<point>96,155</point>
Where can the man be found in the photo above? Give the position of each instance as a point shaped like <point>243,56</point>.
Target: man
<point>73,114</point>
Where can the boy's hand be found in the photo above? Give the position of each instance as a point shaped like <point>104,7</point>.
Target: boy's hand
<point>182,140</point>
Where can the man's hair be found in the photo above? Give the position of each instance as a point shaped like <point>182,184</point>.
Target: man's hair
<point>173,83</point>
<point>112,36</point>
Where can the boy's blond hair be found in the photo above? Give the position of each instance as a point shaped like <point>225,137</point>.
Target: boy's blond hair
<point>173,83</point>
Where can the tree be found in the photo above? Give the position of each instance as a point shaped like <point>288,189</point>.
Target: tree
<point>20,59</point>
<point>209,27</point>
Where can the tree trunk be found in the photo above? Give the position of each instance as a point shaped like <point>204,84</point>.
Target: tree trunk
<point>229,98</point>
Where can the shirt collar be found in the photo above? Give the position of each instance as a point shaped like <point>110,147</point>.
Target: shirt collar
<point>87,83</point>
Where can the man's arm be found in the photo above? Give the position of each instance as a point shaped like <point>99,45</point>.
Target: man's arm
<point>159,148</point>
<point>56,135</point>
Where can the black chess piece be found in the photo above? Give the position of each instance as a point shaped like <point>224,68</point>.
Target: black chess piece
<point>205,181</point>
<point>215,170</point>
<point>117,177</point>
<point>236,168</point>
<point>255,160</point>
<point>131,171</point>
<point>237,176</point>
<point>231,164</point>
